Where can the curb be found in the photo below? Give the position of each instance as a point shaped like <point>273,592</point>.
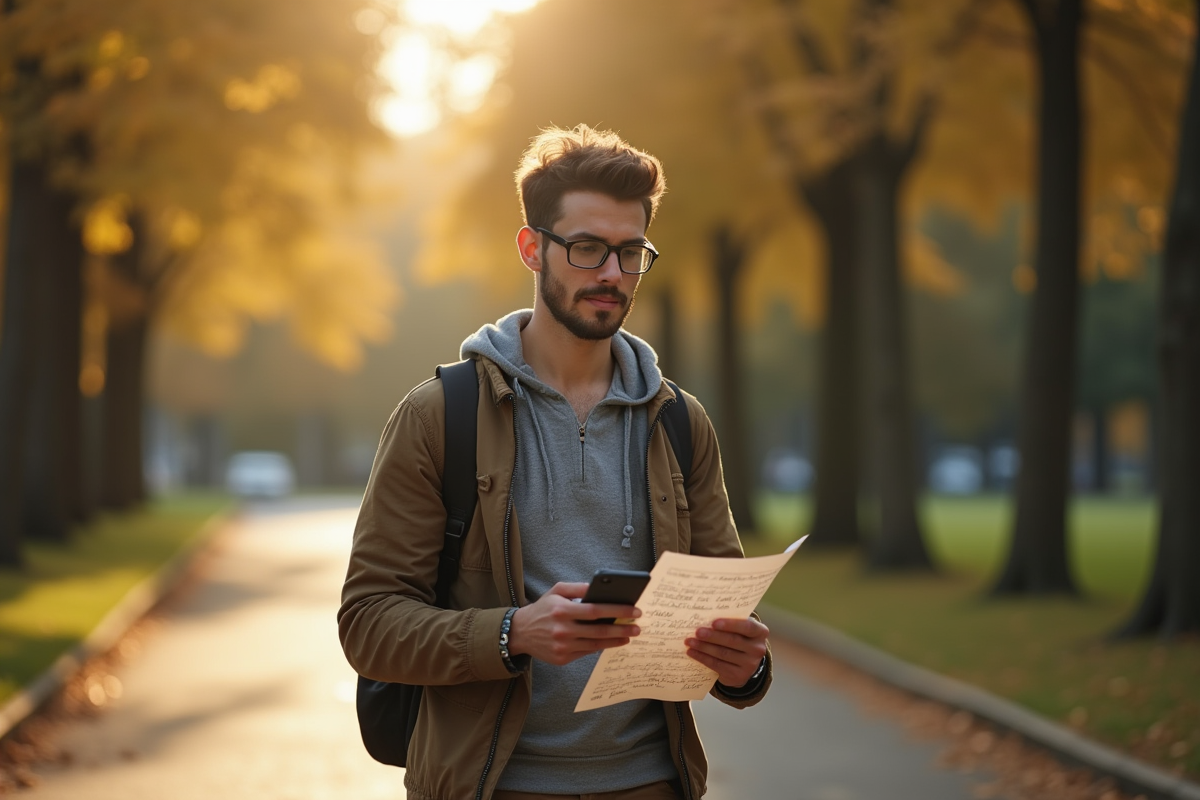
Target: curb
<point>132,607</point>
<point>1131,775</point>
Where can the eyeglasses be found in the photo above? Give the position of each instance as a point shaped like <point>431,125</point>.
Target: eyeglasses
<point>633,259</point>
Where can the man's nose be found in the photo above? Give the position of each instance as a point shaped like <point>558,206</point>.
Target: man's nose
<point>610,269</point>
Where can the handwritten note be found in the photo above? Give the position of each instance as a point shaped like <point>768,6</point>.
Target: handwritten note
<point>685,593</point>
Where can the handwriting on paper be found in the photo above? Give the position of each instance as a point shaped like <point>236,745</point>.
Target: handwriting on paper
<point>685,592</point>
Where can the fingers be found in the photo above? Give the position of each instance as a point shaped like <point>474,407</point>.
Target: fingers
<point>748,627</point>
<point>569,590</point>
<point>733,648</point>
<point>548,629</point>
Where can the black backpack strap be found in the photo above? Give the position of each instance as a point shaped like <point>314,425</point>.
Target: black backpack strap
<point>678,425</point>
<point>459,486</point>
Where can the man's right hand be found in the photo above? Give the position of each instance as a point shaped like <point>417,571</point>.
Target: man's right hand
<point>549,630</point>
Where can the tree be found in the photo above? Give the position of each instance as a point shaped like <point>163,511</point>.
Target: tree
<point>1037,560</point>
<point>730,254</point>
<point>854,191</point>
<point>220,140</point>
<point>1170,605</point>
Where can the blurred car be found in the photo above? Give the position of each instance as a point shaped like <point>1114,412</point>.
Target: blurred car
<point>260,473</point>
<point>956,470</point>
<point>786,470</point>
<point>1003,463</point>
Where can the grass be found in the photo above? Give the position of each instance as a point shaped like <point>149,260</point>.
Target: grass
<point>1048,654</point>
<point>64,590</point>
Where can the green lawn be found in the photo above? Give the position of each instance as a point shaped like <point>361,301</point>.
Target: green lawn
<point>65,590</point>
<point>1048,654</point>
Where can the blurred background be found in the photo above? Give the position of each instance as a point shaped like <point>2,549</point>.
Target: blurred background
<point>894,232</point>
<point>925,263</point>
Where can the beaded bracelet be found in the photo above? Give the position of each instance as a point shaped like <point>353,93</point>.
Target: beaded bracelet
<point>505,627</point>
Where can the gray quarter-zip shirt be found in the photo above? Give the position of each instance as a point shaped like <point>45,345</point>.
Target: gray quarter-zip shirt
<point>580,498</point>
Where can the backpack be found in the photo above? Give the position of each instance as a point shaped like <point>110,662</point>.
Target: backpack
<point>387,712</point>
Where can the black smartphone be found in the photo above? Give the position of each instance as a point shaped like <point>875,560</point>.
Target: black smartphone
<point>618,586</point>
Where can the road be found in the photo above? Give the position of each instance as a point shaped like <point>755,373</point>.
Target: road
<point>242,692</point>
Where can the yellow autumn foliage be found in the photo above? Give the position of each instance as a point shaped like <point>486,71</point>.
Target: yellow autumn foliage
<point>222,139</point>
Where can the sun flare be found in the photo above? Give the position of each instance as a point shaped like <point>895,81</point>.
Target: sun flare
<point>416,66</point>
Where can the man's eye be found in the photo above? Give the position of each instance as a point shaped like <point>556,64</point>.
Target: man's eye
<point>588,248</point>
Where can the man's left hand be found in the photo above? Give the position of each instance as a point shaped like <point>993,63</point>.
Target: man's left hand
<point>733,648</point>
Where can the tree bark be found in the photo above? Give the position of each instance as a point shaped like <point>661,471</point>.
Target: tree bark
<point>1171,603</point>
<point>122,482</point>
<point>53,470</point>
<point>835,495</point>
<point>895,541</point>
<point>668,336</point>
<point>729,259</point>
<point>122,476</point>
<point>1100,450</point>
<point>1037,559</point>
<point>30,199</point>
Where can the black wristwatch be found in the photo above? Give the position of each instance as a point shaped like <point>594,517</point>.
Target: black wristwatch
<point>750,687</point>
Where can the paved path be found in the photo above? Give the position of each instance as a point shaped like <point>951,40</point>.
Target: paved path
<point>243,693</point>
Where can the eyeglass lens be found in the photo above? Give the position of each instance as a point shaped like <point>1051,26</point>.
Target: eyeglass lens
<point>589,254</point>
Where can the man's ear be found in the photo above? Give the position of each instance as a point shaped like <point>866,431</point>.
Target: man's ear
<point>529,246</point>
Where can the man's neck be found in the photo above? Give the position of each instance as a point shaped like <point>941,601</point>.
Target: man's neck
<point>575,367</point>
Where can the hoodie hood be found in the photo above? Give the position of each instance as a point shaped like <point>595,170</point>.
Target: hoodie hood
<point>636,379</point>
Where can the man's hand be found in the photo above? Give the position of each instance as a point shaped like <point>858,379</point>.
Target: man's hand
<point>733,648</point>
<point>549,628</point>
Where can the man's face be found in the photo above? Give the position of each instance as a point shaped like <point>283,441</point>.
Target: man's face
<point>591,303</point>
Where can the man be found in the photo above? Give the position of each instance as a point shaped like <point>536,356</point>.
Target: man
<point>575,474</point>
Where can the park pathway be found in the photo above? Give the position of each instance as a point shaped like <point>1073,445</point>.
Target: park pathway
<point>242,693</point>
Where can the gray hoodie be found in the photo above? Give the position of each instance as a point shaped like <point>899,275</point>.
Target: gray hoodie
<point>580,500</point>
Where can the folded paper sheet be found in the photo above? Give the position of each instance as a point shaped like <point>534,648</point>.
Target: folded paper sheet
<point>685,593</point>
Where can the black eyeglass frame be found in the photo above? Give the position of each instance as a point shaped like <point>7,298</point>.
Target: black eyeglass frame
<point>609,250</point>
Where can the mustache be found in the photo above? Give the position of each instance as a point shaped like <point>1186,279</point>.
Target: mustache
<point>602,291</point>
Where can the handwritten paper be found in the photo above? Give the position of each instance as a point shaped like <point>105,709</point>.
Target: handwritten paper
<point>685,593</point>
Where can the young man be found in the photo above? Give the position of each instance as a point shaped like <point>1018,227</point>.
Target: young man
<point>575,473</point>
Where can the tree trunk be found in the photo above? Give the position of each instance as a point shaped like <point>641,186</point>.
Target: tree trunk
<point>668,337</point>
<point>30,201</point>
<point>53,468</point>
<point>122,475</point>
<point>122,482</point>
<point>1171,603</point>
<point>835,512</point>
<point>1100,451</point>
<point>896,541</point>
<point>1037,559</point>
<point>729,259</point>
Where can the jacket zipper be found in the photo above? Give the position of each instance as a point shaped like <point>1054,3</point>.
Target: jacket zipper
<point>512,594</point>
<point>687,780</point>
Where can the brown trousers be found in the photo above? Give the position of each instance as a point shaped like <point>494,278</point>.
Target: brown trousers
<point>651,791</point>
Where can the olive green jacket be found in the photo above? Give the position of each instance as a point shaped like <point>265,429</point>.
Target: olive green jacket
<point>473,709</point>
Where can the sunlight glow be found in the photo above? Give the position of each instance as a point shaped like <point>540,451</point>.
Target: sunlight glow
<point>425,77</point>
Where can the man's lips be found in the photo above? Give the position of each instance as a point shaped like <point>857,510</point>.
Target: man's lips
<point>604,301</point>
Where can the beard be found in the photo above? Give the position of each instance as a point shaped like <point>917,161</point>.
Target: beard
<point>606,323</point>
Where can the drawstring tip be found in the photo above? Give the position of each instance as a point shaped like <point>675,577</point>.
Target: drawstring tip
<point>626,543</point>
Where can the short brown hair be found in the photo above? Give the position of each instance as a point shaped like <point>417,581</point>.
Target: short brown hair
<point>582,159</point>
